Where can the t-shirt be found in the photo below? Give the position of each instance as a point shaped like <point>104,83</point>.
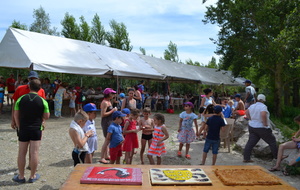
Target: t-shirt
<point>31,109</point>
<point>226,111</point>
<point>251,91</point>
<point>24,89</point>
<point>10,87</point>
<point>187,120</point>
<point>255,114</point>
<point>116,135</point>
<point>214,123</point>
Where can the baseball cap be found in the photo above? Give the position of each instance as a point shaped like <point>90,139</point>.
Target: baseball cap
<point>108,91</point>
<point>122,95</point>
<point>189,103</point>
<point>118,114</point>
<point>126,111</point>
<point>33,74</point>
<point>218,109</point>
<point>261,97</point>
<point>237,96</point>
<point>247,81</point>
<point>90,107</point>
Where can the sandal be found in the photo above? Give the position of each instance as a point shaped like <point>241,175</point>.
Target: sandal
<point>103,162</point>
<point>274,169</point>
<point>179,153</point>
<point>188,156</point>
<point>17,179</point>
<point>285,172</point>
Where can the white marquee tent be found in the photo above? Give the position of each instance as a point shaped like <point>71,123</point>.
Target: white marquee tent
<point>24,49</point>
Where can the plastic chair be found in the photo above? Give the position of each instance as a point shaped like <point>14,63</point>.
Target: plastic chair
<point>176,103</point>
<point>225,136</point>
<point>230,121</point>
<point>147,103</point>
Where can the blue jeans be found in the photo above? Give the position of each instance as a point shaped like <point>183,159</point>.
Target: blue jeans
<point>211,143</point>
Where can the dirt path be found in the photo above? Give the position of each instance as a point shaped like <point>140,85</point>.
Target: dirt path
<point>56,162</point>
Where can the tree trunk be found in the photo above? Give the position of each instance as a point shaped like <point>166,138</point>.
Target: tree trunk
<point>296,100</point>
<point>278,90</point>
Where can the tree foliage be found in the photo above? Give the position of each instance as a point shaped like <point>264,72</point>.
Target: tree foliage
<point>70,28</point>
<point>42,23</point>
<point>171,53</point>
<point>143,51</point>
<point>85,30</point>
<point>118,37</point>
<point>17,24</point>
<point>252,36</point>
<point>98,31</point>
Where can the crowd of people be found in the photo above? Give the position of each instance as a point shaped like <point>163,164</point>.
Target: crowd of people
<point>121,125</point>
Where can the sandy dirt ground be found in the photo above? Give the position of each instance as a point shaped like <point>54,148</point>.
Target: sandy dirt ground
<point>56,162</point>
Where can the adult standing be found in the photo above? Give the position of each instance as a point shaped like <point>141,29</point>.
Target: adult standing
<point>10,83</point>
<point>106,114</point>
<point>47,87</point>
<point>58,100</point>
<point>141,88</point>
<point>207,99</point>
<point>138,97</point>
<point>30,112</point>
<point>259,128</point>
<point>129,102</point>
<point>250,94</point>
<point>19,81</point>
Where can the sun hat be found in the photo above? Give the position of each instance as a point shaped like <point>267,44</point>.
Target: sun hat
<point>90,107</point>
<point>126,111</point>
<point>118,114</point>
<point>122,95</point>
<point>189,103</point>
<point>33,74</point>
<point>108,91</point>
<point>261,97</point>
<point>218,109</point>
<point>237,96</point>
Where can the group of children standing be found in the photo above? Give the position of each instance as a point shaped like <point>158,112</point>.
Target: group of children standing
<point>121,135</point>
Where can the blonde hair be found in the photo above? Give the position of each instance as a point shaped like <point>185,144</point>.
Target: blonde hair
<point>81,115</point>
<point>230,101</point>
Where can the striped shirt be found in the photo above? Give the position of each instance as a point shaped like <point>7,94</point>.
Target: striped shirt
<point>157,149</point>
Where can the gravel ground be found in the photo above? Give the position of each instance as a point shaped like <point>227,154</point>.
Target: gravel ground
<point>56,162</point>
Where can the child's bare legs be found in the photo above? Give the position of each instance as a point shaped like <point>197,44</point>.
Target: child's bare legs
<point>204,155</point>
<point>158,160</point>
<point>104,152</point>
<point>143,146</point>
<point>127,157</point>
<point>131,156</point>
<point>187,148</point>
<point>214,159</point>
<point>151,160</point>
<point>89,158</point>
<point>203,128</point>
<point>180,149</point>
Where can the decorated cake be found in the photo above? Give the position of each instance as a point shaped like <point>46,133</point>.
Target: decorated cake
<point>178,176</point>
<point>110,175</point>
<point>246,177</point>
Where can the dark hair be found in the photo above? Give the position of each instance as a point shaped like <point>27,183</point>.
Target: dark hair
<point>130,89</point>
<point>159,117</point>
<point>209,109</point>
<point>146,110</point>
<point>135,112</point>
<point>201,109</point>
<point>35,85</point>
<point>136,87</point>
<point>207,91</point>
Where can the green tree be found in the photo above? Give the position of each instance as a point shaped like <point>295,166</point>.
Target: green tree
<point>171,52</point>
<point>143,51</point>
<point>70,28</point>
<point>213,63</point>
<point>42,23</point>
<point>17,24</point>
<point>196,63</point>
<point>85,30</point>
<point>97,30</point>
<point>118,37</point>
<point>250,37</point>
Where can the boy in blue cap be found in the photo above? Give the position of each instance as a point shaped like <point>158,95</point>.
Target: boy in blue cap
<point>91,110</point>
<point>214,123</point>
<point>115,138</point>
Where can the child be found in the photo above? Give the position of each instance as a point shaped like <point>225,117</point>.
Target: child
<point>78,137</point>
<point>115,138</point>
<point>72,103</point>
<point>160,134</point>
<point>91,110</point>
<point>186,134</point>
<point>208,112</point>
<point>147,125</point>
<point>215,123</point>
<point>125,111</point>
<point>131,139</point>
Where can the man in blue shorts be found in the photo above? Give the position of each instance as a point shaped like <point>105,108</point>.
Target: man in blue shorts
<point>215,123</point>
<point>30,112</point>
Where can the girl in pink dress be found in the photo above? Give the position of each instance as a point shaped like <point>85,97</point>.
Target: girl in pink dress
<point>131,139</point>
<point>157,147</point>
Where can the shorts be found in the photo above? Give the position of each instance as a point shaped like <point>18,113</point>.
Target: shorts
<point>29,134</point>
<point>78,157</point>
<point>147,137</point>
<point>1,97</point>
<point>115,152</point>
<point>211,143</point>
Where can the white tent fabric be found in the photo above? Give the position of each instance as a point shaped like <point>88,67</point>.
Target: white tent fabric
<point>24,49</point>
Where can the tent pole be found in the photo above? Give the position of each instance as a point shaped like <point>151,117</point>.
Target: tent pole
<point>117,85</point>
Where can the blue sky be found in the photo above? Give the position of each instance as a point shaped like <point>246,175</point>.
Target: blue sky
<point>151,24</point>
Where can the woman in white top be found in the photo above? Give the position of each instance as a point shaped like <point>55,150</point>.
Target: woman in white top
<point>207,99</point>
